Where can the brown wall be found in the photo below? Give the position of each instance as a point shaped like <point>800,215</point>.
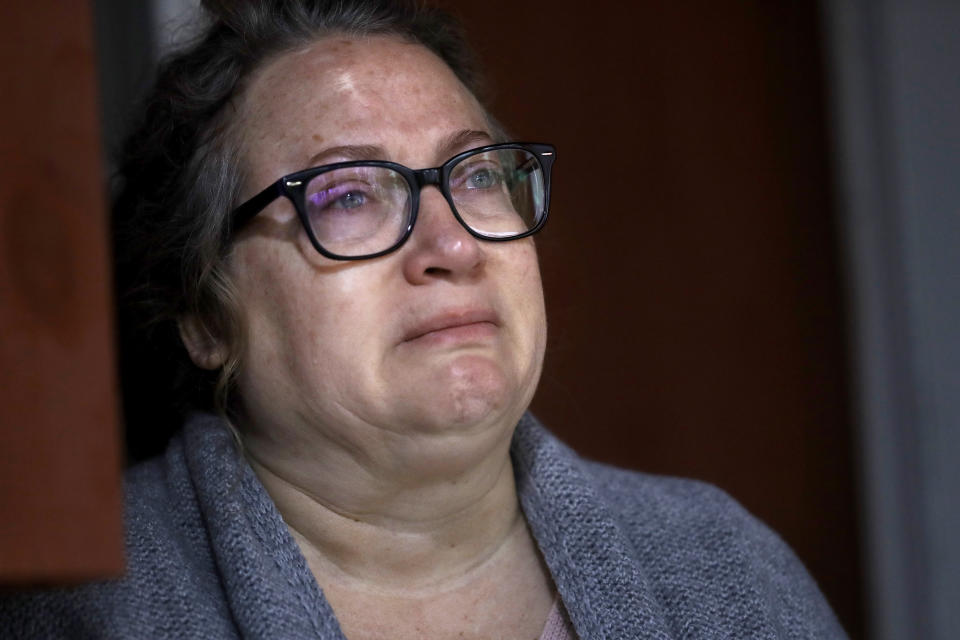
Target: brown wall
<point>59,454</point>
<point>690,263</point>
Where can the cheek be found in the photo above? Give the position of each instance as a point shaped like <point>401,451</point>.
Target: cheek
<point>301,321</point>
<point>530,292</point>
<point>523,296</point>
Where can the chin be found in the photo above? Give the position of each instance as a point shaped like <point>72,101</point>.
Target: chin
<point>466,393</point>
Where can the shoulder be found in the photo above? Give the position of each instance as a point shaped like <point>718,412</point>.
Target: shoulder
<point>170,577</point>
<point>705,554</point>
<point>649,503</point>
<point>629,550</point>
<point>681,514</point>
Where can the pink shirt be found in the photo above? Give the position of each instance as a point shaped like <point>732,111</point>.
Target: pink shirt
<point>558,625</point>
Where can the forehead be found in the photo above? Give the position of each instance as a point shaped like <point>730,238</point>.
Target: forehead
<point>377,90</point>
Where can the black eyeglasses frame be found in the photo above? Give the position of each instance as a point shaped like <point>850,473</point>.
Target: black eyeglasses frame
<point>293,187</point>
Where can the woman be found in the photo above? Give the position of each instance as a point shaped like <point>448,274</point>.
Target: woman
<point>372,333</point>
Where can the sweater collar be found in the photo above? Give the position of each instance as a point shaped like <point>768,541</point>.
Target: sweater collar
<point>272,593</point>
<point>590,558</point>
<point>268,585</point>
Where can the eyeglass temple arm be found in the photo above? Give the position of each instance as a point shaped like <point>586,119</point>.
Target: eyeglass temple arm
<point>245,212</point>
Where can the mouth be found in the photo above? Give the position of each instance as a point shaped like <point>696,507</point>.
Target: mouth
<point>454,326</point>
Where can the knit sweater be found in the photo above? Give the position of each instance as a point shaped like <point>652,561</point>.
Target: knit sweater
<point>632,556</point>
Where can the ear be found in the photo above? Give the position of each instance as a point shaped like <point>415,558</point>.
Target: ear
<point>206,351</point>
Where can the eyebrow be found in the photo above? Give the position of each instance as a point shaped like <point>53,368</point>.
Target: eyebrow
<point>462,140</point>
<point>348,152</point>
<point>449,145</point>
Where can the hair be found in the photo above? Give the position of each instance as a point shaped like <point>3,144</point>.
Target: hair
<point>179,179</point>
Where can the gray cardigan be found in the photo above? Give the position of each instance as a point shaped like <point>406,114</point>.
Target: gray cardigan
<point>632,556</point>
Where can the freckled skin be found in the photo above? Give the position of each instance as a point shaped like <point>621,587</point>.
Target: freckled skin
<point>326,369</point>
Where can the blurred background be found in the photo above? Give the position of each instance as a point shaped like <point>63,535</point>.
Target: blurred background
<point>751,268</point>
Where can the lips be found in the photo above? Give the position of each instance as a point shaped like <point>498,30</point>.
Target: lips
<point>454,321</point>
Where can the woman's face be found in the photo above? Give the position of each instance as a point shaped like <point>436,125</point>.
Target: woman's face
<point>446,334</point>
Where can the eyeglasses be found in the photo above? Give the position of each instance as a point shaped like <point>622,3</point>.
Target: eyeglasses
<point>367,208</point>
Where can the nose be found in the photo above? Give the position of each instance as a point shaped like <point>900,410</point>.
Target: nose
<point>440,247</point>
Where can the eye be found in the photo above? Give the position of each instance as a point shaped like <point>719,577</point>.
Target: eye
<point>484,178</point>
<point>350,200</point>
<point>337,197</point>
<point>477,174</point>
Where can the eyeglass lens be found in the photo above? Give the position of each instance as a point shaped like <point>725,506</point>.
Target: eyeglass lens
<point>360,210</point>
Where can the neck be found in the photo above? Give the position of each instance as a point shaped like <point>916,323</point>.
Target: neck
<point>386,528</point>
